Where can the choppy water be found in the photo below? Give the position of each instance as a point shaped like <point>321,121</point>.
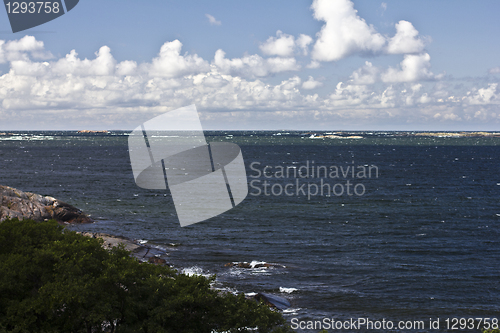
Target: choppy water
<point>422,241</point>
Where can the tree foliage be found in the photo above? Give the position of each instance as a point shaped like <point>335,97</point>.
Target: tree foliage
<point>55,280</point>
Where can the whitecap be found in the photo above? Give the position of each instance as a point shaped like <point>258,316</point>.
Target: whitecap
<point>287,290</point>
<point>291,311</point>
<point>193,271</point>
<point>255,263</point>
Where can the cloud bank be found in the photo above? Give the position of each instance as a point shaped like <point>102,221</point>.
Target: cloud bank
<point>251,91</point>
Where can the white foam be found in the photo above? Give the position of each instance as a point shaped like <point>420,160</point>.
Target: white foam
<point>287,290</point>
<point>255,263</point>
<point>195,270</point>
<point>27,137</point>
<point>228,290</point>
<point>291,311</point>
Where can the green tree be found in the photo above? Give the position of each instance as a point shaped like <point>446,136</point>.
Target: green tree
<point>55,280</point>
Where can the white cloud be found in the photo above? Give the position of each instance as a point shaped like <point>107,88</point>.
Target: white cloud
<point>170,63</point>
<point>103,64</point>
<point>406,40</point>
<point>212,20</point>
<point>494,70</point>
<point>383,5</point>
<point>311,83</point>
<point>19,49</point>
<point>313,64</point>
<point>344,32</point>
<point>490,95</point>
<point>291,83</point>
<point>447,116</point>
<point>253,65</point>
<point>284,45</point>
<point>102,91</point>
<point>303,42</point>
<point>126,67</point>
<point>368,74</point>
<point>411,69</point>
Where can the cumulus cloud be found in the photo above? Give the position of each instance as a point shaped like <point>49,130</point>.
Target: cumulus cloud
<point>368,74</point>
<point>489,95</point>
<point>22,49</point>
<point>126,67</point>
<point>344,32</point>
<point>253,65</point>
<point>406,40</point>
<point>101,90</point>
<point>311,83</point>
<point>283,45</point>
<point>103,64</point>
<point>170,62</point>
<point>303,43</point>
<point>212,20</point>
<point>411,69</point>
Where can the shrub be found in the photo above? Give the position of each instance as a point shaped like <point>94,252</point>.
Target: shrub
<point>55,280</point>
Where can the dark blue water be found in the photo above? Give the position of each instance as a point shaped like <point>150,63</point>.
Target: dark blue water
<point>421,242</point>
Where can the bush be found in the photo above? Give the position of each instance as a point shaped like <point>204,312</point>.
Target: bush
<point>55,280</point>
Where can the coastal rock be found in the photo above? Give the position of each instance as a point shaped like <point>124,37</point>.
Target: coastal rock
<point>26,205</point>
<point>139,251</point>
<point>110,241</point>
<point>273,301</point>
<point>157,261</point>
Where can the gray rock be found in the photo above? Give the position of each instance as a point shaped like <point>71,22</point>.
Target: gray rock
<point>142,252</point>
<point>25,205</point>
<point>273,301</point>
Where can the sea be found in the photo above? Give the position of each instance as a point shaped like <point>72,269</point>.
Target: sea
<point>411,236</point>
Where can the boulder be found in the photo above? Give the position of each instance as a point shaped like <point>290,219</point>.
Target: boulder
<point>273,301</point>
<point>26,205</point>
<point>140,251</point>
<point>157,261</point>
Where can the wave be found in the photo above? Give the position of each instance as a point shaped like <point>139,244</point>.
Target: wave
<point>287,290</point>
<point>193,271</point>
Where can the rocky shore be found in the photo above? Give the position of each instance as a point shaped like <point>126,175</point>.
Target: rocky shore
<point>26,205</point>
<point>15,203</point>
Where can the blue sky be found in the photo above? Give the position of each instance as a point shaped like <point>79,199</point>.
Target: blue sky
<point>322,64</point>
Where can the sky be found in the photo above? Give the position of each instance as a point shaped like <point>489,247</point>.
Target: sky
<point>257,65</point>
